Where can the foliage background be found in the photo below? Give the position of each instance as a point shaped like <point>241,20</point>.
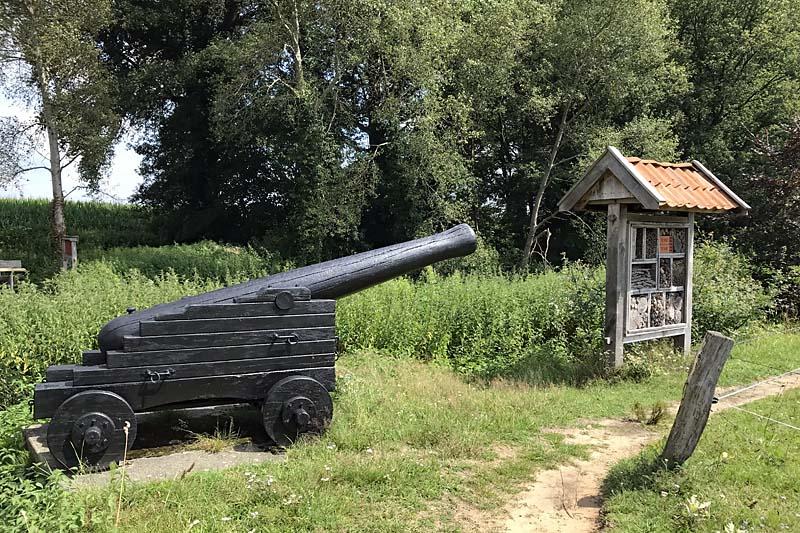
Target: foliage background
<point>351,125</point>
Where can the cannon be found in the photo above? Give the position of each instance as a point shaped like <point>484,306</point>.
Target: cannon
<point>269,341</point>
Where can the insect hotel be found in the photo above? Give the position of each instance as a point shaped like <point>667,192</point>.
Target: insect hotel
<point>651,207</point>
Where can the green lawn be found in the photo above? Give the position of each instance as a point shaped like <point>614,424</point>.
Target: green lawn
<point>412,442</point>
<point>744,476</point>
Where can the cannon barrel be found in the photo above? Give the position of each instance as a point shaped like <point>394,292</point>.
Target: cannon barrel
<point>330,279</point>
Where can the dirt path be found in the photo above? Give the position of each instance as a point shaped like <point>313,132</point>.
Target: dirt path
<point>568,500</point>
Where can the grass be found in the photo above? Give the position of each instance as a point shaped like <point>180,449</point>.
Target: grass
<point>223,438</point>
<point>412,446</point>
<point>743,477</point>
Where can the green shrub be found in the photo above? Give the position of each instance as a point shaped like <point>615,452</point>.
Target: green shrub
<point>25,230</point>
<point>32,499</point>
<point>547,326</point>
<point>725,296</point>
<point>541,328</point>
<point>200,260</point>
<point>54,323</point>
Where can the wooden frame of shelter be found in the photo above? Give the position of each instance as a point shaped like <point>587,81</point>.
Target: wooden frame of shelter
<point>650,242</point>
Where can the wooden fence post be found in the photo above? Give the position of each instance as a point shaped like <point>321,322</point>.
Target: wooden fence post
<point>698,393</point>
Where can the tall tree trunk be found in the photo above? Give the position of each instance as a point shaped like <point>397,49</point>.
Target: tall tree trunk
<point>533,226</point>
<point>58,228</point>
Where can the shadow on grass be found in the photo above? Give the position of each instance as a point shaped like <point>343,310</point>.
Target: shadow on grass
<point>642,472</point>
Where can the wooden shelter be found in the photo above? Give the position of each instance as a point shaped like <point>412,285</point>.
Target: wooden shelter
<point>649,263</point>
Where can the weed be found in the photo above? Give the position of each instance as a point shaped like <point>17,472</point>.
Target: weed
<point>656,414</point>
<point>223,438</point>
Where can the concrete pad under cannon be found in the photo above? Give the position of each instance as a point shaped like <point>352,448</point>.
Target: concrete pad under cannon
<point>160,450</point>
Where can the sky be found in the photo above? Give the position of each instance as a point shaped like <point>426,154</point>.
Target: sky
<point>121,181</point>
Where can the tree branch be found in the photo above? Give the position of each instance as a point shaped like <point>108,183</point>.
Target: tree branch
<point>28,169</point>
<point>68,163</point>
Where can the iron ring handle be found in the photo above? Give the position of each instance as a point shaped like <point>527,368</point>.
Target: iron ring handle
<point>290,339</point>
<point>157,377</point>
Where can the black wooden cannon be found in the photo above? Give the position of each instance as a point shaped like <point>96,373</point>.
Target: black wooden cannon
<point>269,341</point>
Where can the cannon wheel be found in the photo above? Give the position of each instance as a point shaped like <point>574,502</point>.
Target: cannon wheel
<point>296,405</point>
<point>88,430</point>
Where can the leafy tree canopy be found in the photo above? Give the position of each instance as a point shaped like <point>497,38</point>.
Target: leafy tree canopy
<point>317,128</point>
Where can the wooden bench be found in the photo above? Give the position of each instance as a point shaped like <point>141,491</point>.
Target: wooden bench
<point>9,270</point>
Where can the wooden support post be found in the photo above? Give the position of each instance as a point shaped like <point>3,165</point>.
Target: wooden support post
<point>616,272</point>
<point>698,393</point>
<point>684,342</point>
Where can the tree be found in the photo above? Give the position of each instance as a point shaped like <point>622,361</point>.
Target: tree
<point>321,127</point>
<point>743,60</point>
<point>52,45</point>
<point>312,126</point>
<point>598,59</point>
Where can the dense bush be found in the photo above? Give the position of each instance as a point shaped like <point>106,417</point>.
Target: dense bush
<point>726,297</point>
<point>25,230</point>
<point>547,326</point>
<point>204,260</point>
<point>31,499</point>
<point>56,322</point>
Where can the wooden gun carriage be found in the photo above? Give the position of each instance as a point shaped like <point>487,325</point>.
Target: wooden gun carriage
<point>269,341</point>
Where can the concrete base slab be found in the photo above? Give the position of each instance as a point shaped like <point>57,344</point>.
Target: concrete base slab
<point>160,451</point>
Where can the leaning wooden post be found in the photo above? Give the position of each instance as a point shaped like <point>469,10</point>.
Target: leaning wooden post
<point>698,393</point>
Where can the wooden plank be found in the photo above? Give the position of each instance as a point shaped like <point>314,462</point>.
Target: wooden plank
<point>616,283</point>
<point>94,357</point>
<point>743,206</point>
<point>250,310</point>
<point>698,394</point>
<point>657,220</point>
<point>99,375</point>
<point>647,195</point>
<point>671,330</point>
<point>143,396</point>
<point>59,372</point>
<point>575,194</point>
<point>119,359</point>
<point>12,263</point>
<point>152,328</point>
<point>234,338</point>
<point>684,343</point>
<point>607,189</point>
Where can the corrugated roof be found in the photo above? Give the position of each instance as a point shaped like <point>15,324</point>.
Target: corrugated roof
<point>654,185</point>
<point>683,185</point>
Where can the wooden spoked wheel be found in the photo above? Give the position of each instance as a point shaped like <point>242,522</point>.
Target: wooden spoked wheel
<point>88,430</point>
<point>296,405</point>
